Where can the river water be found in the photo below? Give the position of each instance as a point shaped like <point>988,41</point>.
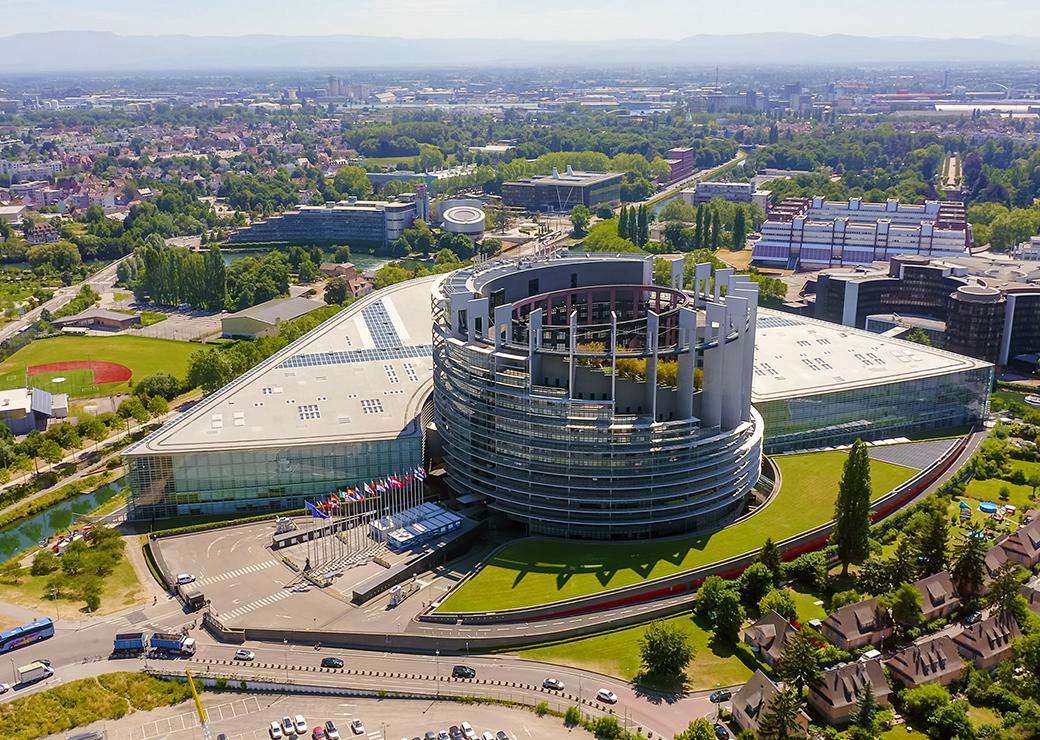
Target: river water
<point>56,519</point>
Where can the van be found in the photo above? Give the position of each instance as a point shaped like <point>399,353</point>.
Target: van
<point>185,578</point>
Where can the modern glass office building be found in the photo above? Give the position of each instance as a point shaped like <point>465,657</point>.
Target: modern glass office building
<point>348,402</point>
<point>819,384</point>
<point>565,392</point>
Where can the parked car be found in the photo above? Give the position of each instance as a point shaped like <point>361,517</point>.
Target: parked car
<point>607,696</point>
<point>973,618</point>
<point>501,735</point>
<point>331,731</point>
<point>247,655</point>
<point>4,688</point>
<point>721,732</point>
<point>430,735</point>
<point>331,662</point>
<point>553,683</point>
<point>488,735</point>
<point>443,735</point>
<point>717,697</point>
<point>455,732</point>
<point>319,734</point>
<point>183,578</point>
<point>357,727</point>
<point>468,731</point>
<point>275,730</point>
<point>300,723</point>
<point>463,671</point>
<point>288,729</point>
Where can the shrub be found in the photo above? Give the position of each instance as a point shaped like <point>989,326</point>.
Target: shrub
<point>572,717</point>
<point>541,709</point>
<point>842,598</point>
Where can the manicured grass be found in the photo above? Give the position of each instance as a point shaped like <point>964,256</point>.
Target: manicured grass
<point>535,571</point>
<point>989,490</point>
<point>143,355</point>
<point>807,609</point>
<point>87,700</point>
<point>617,654</point>
<point>903,732</point>
<point>390,161</point>
<point>982,716</point>
<point>121,589</point>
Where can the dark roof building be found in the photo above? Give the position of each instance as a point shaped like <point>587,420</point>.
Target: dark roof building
<point>931,661</point>
<point>988,641</point>
<point>768,636</point>
<point>751,702</point>
<point>834,695</point>
<point>558,192</point>
<point>938,596</point>
<point>264,319</point>
<point>856,625</point>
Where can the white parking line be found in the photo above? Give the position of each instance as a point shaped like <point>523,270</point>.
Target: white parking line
<point>259,603</point>
<point>256,567</point>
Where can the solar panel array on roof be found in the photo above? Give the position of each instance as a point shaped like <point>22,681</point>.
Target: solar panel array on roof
<point>356,356</point>
<point>380,327</point>
<point>776,322</point>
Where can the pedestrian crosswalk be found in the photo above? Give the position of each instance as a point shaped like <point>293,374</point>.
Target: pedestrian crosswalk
<point>239,572</point>
<point>253,606</point>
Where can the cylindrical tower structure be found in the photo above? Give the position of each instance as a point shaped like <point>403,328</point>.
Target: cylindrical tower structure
<point>568,391</point>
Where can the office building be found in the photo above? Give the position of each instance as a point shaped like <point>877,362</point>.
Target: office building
<point>350,221</point>
<point>682,161</point>
<point>541,406</point>
<point>735,192</point>
<point>23,410</point>
<point>346,403</point>
<point>813,233</point>
<point>558,192</point>
<point>982,308</point>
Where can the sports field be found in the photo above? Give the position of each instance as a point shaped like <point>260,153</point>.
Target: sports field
<point>537,571</point>
<point>93,366</point>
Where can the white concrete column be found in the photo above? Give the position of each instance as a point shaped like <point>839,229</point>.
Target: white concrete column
<point>573,342</point>
<point>476,308</point>
<point>534,346</point>
<point>733,376</point>
<point>503,324</point>
<point>1009,323</point>
<point>714,368</point>
<point>687,361</point>
<point>652,323</point>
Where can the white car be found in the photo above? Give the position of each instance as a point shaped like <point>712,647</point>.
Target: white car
<point>275,731</point>
<point>468,731</point>
<point>4,688</point>
<point>185,578</point>
<point>287,727</point>
<point>331,731</point>
<point>488,735</point>
<point>357,727</point>
<point>301,724</point>
<point>606,696</point>
<point>244,654</point>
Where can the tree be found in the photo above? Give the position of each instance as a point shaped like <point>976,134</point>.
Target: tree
<point>665,649</point>
<point>920,702</point>
<point>779,601</point>
<point>308,271</point>
<point>952,720</point>
<point>699,729</point>
<point>210,369</point>
<point>352,180</point>
<point>10,572</point>
<point>932,530</point>
<point>643,226</point>
<point>341,254</point>
<point>336,290</point>
<point>700,239</point>
<point>157,406</point>
<point>852,509</point>
<point>580,218</point>
<point>728,618</point>
<point>1004,593</point>
<point>769,556</point>
<point>799,662</point>
<point>969,565</point>
<point>51,452</point>
<point>906,606</point>
<point>866,708</point>
<point>158,384</point>
<point>709,595</point>
<point>755,582</point>
<point>716,229</point>
<point>780,718</point>
<point>391,274</point>
<point>44,563</point>
<point>739,229</point>
<point>446,257</point>
<point>919,336</point>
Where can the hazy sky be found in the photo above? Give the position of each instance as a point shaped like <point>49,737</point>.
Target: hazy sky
<point>545,19</point>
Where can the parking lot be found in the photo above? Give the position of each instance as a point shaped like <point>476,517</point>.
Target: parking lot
<point>248,717</point>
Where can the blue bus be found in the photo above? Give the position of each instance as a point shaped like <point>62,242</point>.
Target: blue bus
<point>27,634</point>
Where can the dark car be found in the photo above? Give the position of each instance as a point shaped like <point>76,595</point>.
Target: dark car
<point>721,732</point>
<point>973,618</point>
<point>331,662</point>
<point>717,697</point>
<point>463,671</point>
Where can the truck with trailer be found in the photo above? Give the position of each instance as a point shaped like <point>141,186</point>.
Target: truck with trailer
<point>129,643</point>
<point>172,644</point>
<point>35,671</point>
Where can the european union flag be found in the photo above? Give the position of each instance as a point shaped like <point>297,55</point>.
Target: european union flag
<point>316,513</point>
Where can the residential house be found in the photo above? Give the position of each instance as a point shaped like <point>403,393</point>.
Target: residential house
<point>1031,591</point>
<point>338,269</point>
<point>41,233</point>
<point>938,595</point>
<point>835,694</point>
<point>361,285</point>
<point>1023,545</point>
<point>988,641</point>
<point>768,635</point>
<point>856,625</point>
<point>934,660</point>
<point>751,703</point>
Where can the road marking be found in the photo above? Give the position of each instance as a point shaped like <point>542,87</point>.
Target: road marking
<point>258,604</point>
<point>237,573</point>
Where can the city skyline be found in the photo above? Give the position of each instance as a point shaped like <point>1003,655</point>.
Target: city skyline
<point>579,21</point>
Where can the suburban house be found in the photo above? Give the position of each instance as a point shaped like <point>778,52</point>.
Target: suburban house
<point>24,409</point>
<point>360,285</point>
<point>989,641</point>
<point>996,556</point>
<point>264,319</point>
<point>834,695</point>
<point>1023,545</point>
<point>99,318</point>
<point>1031,591</point>
<point>751,702</point>
<point>42,233</point>
<point>934,660</point>
<point>768,635</point>
<point>856,625</point>
<point>938,595</point>
<point>338,269</point>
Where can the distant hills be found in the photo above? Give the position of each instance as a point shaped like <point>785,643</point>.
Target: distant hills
<point>88,51</point>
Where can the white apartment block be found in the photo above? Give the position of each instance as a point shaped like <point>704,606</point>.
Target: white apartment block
<point>815,233</point>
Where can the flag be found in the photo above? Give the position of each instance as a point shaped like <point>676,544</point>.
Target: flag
<point>380,487</point>
<point>368,489</point>
<point>420,473</point>
<point>395,481</point>
<point>409,478</point>
<point>316,512</point>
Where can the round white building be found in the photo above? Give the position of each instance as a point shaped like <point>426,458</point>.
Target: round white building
<point>463,217</point>
<point>566,391</point>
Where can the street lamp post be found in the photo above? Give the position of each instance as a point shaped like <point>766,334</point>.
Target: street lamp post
<point>286,643</point>
<point>436,668</point>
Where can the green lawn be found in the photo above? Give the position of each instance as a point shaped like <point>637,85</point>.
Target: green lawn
<point>807,608</point>
<point>535,571</point>
<point>143,355</point>
<point>617,654</point>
